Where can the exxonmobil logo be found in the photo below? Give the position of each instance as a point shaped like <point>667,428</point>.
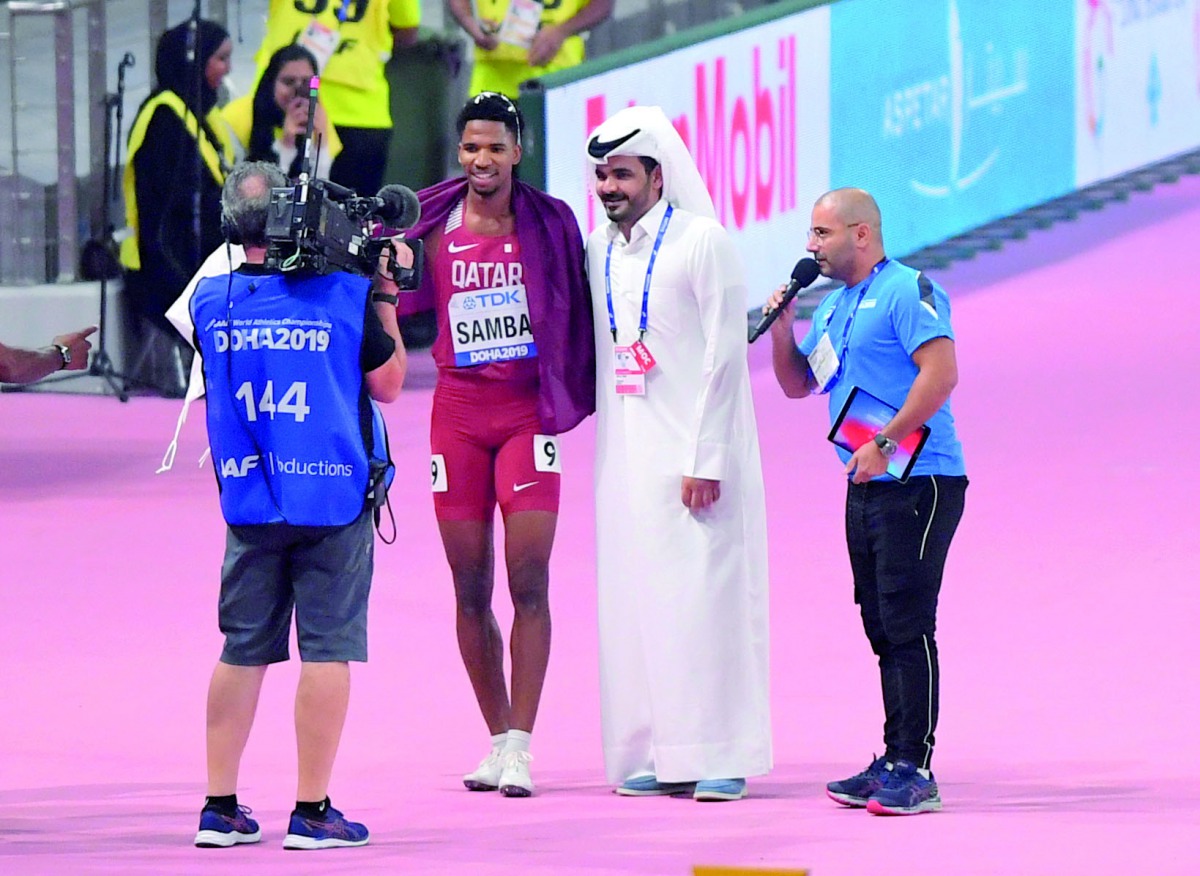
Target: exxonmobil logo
<point>744,144</point>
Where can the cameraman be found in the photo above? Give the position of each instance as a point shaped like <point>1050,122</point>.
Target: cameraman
<point>291,363</point>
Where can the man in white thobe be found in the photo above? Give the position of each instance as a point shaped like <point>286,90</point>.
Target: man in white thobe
<point>680,514</point>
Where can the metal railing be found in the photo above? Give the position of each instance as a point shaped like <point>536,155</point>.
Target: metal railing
<point>54,55</point>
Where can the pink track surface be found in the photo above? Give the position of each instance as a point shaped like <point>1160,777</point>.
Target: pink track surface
<point>1068,624</point>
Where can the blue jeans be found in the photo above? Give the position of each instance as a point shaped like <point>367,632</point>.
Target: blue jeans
<point>898,536</point>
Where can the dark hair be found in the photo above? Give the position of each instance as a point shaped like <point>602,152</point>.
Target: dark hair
<point>266,114</point>
<point>648,163</point>
<point>173,71</point>
<point>492,106</point>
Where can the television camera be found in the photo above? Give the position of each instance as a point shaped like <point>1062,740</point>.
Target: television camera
<point>318,225</point>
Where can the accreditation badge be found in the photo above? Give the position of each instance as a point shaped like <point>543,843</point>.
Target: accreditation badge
<point>627,371</point>
<point>491,325</point>
<point>520,23</point>
<point>823,361</point>
<point>321,40</point>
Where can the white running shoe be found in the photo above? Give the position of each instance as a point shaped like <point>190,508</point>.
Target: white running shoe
<point>486,776</point>
<point>515,780</point>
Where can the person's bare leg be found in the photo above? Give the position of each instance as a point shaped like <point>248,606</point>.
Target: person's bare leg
<point>322,698</point>
<point>232,702</point>
<point>528,539</point>
<point>468,545</point>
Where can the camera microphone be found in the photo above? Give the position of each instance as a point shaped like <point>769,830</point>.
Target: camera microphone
<point>397,206</point>
<point>803,274</point>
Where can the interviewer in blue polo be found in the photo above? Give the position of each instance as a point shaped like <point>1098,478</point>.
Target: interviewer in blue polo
<point>887,332</point>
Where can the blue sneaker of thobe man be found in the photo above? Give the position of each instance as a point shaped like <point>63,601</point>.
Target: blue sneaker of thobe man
<point>720,789</point>
<point>219,830</point>
<point>330,831</point>
<point>650,786</point>
<point>857,790</point>
<point>906,792</point>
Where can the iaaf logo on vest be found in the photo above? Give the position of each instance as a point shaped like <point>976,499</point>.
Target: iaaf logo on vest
<point>239,468</point>
<point>233,468</point>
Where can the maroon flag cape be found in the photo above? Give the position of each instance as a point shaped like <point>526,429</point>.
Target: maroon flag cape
<point>560,307</point>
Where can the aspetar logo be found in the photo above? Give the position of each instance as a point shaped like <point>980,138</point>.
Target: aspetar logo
<point>238,468</point>
<point>948,96</point>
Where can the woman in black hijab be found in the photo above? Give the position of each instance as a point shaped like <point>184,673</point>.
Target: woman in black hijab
<point>176,148</point>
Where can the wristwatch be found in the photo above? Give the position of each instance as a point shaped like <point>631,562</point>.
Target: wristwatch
<point>885,444</point>
<point>65,352</point>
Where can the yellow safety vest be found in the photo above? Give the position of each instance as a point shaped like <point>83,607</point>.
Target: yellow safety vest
<point>215,161</point>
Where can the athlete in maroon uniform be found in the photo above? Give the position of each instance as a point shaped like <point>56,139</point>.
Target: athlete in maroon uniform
<point>489,441</point>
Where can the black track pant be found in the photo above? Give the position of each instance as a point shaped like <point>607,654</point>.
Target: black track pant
<point>898,536</point>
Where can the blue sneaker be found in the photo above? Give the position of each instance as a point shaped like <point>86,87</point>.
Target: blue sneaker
<point>711,790</point>
<point>650,786</point>
<point>906,792</point>
<point>857,790</point>
<point>331,831</point>
<point>220,831</point>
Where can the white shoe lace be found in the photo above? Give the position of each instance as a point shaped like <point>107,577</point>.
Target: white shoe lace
<point>516,769</point>
<point>490,762</point>
<point>488,767</point>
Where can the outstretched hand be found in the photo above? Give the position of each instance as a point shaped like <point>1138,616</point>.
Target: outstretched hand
<point>79,346</point>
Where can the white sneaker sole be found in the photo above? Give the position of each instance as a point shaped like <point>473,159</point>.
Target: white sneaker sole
<point>296,841</point>
<point>477,785</point>
<point>664,790</point>
<point>216,839</point>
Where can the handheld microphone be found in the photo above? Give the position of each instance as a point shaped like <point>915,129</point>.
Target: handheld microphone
<point>803,274</point>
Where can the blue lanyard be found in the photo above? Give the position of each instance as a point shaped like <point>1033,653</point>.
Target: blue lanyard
<point>645,320</point>
<point>849,326</point>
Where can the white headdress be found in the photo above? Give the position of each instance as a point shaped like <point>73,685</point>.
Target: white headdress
<point>646,130</point>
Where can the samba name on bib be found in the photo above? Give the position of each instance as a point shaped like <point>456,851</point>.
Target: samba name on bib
<point>491,325</point>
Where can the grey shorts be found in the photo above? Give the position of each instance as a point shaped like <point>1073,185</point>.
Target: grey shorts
<point>323,572</point>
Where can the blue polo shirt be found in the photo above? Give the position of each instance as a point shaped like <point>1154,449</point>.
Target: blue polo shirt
<point>875,326</point>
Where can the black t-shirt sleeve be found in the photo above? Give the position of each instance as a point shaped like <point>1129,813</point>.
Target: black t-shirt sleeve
<point>378,346</point>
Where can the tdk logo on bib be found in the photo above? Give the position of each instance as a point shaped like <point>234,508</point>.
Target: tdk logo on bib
<point>491,325</point>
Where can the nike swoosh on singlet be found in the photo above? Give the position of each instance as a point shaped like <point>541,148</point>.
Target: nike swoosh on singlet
<point>455,248</point>
<point>518,487</point>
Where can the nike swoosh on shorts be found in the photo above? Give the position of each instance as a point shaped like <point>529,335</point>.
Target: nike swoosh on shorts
<point>518,487</point>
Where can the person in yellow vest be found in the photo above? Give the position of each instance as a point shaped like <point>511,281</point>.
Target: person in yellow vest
<point>178,154</point>
<point>517,40</point>
<point>352,40</point>
<point>269,124</point>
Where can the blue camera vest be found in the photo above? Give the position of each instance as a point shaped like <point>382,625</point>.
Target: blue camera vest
<point>290,423</point>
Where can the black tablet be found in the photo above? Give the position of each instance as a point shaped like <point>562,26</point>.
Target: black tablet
<point>861,418</point>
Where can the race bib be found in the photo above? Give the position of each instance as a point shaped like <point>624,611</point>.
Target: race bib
<point>491,325</point>
<point>545,454</point>
<point>437,469</point>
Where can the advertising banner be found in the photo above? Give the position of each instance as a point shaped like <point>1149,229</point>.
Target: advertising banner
<point>753,107</point>
<point>951,112</point>
<point>1137,85</point>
